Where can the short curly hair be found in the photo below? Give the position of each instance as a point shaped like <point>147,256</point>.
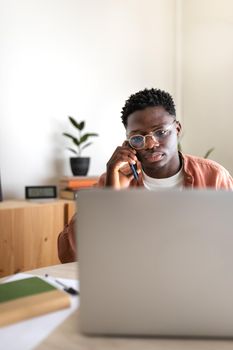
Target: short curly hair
<point>147,98</point>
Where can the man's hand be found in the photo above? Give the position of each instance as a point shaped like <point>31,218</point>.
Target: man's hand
<point>119,173</point>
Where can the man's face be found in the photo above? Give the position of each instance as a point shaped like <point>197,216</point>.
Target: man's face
<point>158,156</point>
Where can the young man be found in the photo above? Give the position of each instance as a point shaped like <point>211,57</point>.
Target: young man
<point>151,146</point>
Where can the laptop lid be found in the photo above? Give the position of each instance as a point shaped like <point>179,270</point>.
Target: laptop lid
<point>156,263</point>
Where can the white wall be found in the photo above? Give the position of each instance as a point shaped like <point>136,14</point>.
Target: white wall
<point>207,78</point>
<point>79,58</point>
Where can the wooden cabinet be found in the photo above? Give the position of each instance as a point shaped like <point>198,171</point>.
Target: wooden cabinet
<point>29,231</point>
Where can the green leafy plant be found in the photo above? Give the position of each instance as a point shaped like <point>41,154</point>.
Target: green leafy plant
<point>81,141</point>
<point>208,152</point>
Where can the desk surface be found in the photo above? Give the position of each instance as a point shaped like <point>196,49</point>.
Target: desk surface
<point>67,335</point>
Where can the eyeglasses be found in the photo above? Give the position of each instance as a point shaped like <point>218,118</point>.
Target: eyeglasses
<point>139,141</point>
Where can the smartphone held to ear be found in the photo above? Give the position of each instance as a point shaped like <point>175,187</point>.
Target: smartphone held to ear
<point>133,166</point>
<point>134,170</point>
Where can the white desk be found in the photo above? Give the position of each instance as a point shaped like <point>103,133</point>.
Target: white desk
<point>67,335</point>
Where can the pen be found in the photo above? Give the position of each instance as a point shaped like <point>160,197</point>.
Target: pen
<point>135,174</point>
<point>67,289</point>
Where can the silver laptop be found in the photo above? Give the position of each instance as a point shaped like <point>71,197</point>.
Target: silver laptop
<point>156,263</point>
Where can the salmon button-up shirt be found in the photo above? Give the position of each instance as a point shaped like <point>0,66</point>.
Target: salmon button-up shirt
<point>198,173</point>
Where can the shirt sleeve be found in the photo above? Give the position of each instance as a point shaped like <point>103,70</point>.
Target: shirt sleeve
<point>66,243</point>
<point>225,180</point>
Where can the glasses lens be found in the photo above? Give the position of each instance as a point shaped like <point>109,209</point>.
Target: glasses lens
<point>160,134</point>
<point>137,141</point>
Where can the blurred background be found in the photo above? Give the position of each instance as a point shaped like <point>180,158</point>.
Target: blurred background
<point>84,59</point>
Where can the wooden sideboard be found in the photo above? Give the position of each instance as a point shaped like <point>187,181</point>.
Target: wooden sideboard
<point>29,231</point>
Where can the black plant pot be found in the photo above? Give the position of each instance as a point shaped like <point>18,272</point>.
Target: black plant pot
<point>79,165</point>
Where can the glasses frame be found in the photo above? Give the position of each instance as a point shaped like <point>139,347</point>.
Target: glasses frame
<point>151,134</point>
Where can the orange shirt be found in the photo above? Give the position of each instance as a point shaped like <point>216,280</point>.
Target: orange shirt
<point>198,173</point>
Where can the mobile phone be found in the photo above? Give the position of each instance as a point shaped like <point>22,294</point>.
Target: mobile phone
<point>134,170</point>
<point>133,167</point>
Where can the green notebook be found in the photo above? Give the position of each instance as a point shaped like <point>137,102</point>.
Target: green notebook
<point>29,297</point>
<point>22,288</point>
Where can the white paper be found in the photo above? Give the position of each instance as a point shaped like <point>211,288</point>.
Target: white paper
<point>26,335</point>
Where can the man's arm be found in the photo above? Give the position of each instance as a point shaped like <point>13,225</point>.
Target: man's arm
<point>66,243</point>
<point>118,176</point>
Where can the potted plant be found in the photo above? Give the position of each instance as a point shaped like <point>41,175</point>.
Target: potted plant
<point>79,165</point>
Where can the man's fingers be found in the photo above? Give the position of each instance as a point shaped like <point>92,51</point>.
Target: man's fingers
<point>128,156</point>
<point>126,144</point>
<point>130,177</point>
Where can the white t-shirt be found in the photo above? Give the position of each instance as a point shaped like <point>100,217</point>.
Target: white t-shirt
<point>175,181</point>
